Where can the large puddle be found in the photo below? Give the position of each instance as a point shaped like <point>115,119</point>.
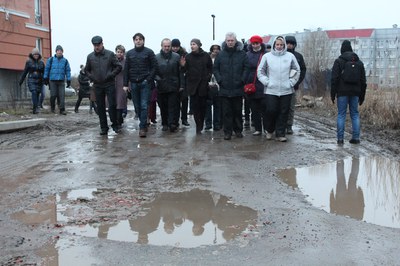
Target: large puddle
<point>366,188</point>
<point>186,219</point>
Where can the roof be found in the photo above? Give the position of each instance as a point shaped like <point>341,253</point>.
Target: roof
<point>338,34</point>
<point>266,38</point>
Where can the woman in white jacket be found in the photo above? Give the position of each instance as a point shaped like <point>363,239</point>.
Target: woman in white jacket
<point>278,71</point>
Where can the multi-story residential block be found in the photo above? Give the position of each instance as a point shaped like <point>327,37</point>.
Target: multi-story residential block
<point>24,25</point>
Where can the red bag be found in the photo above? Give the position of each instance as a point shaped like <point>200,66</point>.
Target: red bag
<point>250,88</point>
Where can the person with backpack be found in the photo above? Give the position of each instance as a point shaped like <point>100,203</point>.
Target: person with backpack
<point>348,85</point>
<point>56,72</point>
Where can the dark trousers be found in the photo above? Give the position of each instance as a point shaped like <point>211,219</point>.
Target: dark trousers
<point>101,94</point>
<point>169,108</point>
<point>199,110</point>
<point>276,113</point>
<point>57,91</point>
<point>247,109</point>
<point>184,103</point>
<point>81,95</point>
<point>213,112</point>
<point>257,106</point>
<point>232,114</point>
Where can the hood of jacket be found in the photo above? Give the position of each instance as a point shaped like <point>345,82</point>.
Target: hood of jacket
<point>279,53</point>
<point>348,56</point>
<point>31,57</point>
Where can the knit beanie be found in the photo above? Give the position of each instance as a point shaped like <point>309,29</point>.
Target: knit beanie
<point>196,41</point>
<point>59,47</point>
<point>175,43</point>
<point>346,47</point>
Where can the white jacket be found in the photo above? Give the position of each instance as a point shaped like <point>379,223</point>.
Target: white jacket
<point>278,71</point>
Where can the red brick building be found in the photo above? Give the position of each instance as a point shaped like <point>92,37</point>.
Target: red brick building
<point>24,25</point>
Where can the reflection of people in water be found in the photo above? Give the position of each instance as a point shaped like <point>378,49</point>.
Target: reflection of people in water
<point>199,205</point>
<point>232,219</point>
<point>349,200</point>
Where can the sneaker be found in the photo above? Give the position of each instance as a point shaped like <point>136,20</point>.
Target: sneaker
<point>289,130</point>
<point>142,133</point>
<point>104,132</point>
<point>340,142</point>
<point>257,133</point>
<point>185,123</point>
<point>269,135</point>
<point>117,129</point>
<point>281,139</point>
<point>354,141</point>
<point>63,113</point>
<point>208,128</point>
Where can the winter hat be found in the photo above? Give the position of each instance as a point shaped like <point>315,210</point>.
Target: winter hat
<point>35,51</point>
<point>59,47</point>
<point>97,40</point>
<point>196,41</point>
<point>216,46</point>
<point>175,43</point>
<point>256,38</point>
<point>346,47</point>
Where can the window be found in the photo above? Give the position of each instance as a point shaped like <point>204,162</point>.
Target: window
<point>38,12</point>
<point>39,45</point>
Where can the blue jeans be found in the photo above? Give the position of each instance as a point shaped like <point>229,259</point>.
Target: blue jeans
<point>141,93</point>
<point>342,103</point>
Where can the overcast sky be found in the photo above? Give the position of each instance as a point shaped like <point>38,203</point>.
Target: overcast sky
<point>75,22</point>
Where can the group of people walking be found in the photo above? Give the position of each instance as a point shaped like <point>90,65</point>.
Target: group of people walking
<point>213,80</point>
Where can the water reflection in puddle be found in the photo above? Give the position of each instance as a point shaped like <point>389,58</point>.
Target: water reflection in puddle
<point>365,188</point>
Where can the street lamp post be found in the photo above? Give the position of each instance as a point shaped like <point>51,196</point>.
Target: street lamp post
<point>213,16</point>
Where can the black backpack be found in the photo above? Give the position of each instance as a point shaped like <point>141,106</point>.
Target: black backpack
<point>352,70</point>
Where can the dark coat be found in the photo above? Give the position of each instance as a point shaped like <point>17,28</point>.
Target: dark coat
<point>168,75</point>
<point>254,59</point>
<point>231,70</point>
<point>140,65</point>
<point>302,64</point>
<point>198,69</point>
<point>102,68</point>
<point>84,81</point>
<point>339,87</point>
<point>35,69</point>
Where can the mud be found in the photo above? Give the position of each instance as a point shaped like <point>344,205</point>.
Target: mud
<point>62,181</point>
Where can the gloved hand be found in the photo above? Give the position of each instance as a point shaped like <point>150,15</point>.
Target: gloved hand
<point>68,83</point>
<point>46,81</point>
<point>360,100</point>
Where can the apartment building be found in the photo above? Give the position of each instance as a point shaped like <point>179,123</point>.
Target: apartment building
<point>24,25</point>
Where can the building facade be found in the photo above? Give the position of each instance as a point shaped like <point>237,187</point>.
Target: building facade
<point>24,25</point>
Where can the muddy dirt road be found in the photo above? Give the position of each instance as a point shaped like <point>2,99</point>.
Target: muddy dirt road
<point>72,197</point>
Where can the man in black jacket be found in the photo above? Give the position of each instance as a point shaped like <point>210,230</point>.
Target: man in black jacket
<point>101,67</point>
<point>291,45</point>
<point>140,70</point>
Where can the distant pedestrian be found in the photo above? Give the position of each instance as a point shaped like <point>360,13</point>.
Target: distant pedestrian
<point>56,72</point>
<point>291,43</point>
<point>120,94</point>
<point>84,91</point>
<point>140,70</point>
<point>348,85</point>
<point>198,68</point>
<point>231,69</point>
<point>102,67</point>
<point>34,68</point>
<point>278,71</point>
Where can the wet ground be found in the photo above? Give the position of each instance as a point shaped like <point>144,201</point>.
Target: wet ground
<point>70,196</point>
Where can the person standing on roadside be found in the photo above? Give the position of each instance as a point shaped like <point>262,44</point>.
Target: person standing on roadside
<point>231,69</point>
<point>120,94</point>
<point>183,95</point>
<point>348,85</point>
<point>278,71</point>
<point>84,91</point>
<point>198,68</point>
<point>168,79</point>
<point>102,67</point>
<point>56,72</point>
<point>291,43</point>
<point>34,68</point>
<point>140,70</point>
